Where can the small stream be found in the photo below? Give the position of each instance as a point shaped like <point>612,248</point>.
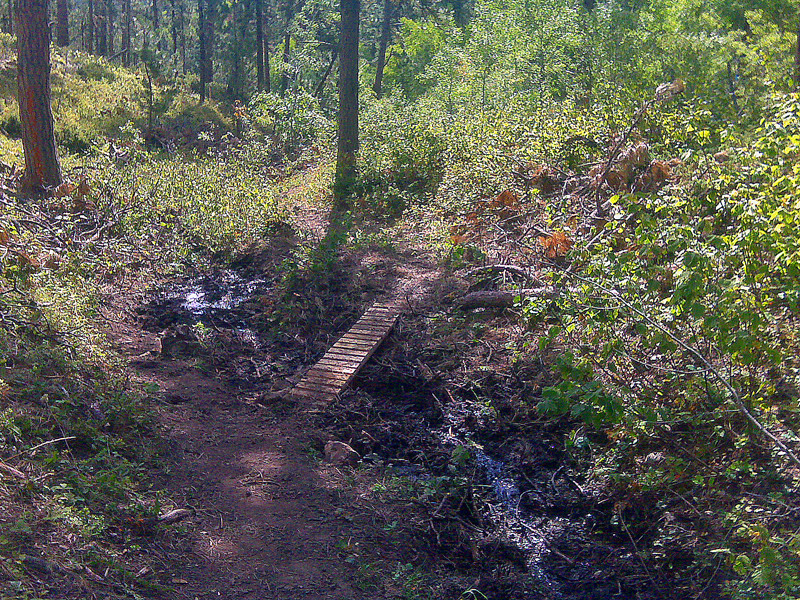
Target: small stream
<point>517,526</point>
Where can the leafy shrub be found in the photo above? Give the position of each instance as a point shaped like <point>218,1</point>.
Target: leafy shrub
<point>294,120</point>
<point>96,70</point>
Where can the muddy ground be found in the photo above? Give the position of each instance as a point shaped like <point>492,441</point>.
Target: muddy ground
<point>462,491</point>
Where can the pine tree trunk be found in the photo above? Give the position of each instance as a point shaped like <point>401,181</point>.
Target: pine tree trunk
<point>347,145</point>
<point>100,28</point>
<point>111,13</point>
<point>126,36</point>
<point>183,36</point>
<point>33,79</point>
<point>201,32</point>
<point>11,17</point>
<point>62,23</point>
<point>386,33</point>
<point>259,47</point>
<point>267,71</point>
<point>209,43</point>
<point>797,60</point>
<point>287,39</point>
<point>91,32</point>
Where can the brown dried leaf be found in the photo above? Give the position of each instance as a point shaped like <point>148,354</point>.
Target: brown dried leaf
<point>65,189</point>
<point>556,245</point>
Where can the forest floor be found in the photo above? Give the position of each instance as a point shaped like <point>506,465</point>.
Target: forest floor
<point>271,518</point>
<point>438,507</point>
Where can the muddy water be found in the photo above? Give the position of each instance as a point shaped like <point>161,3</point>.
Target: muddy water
<point>515,524</point>
<point>216,299</point>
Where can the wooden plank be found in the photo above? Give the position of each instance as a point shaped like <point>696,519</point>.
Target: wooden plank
<point>370,336</point>
<point>321,388</point>
<point>340,364</point>
<point>351,344</point>
<point>329,377</point>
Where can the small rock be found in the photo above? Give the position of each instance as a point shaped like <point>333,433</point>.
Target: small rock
<point>178,339</point>
<point>722,157</point>
<point>339,453</point>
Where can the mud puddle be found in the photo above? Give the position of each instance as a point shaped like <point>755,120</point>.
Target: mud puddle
<point>220,298</point>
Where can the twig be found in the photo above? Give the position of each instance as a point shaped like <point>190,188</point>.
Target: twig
<point>12,471</point>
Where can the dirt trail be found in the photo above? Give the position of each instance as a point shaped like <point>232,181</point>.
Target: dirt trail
<point>273,519</point>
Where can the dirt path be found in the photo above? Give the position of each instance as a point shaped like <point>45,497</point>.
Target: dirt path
<point>273,519</point>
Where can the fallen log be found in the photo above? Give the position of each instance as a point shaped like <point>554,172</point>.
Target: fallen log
<point>514,269</point>
<point>503,299</point>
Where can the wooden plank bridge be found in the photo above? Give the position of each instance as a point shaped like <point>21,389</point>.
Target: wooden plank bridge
<point>323,382</point>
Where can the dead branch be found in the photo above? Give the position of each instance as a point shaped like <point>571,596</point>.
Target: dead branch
<point>8,470</point>
<point>499,269</point>
<point>174,516</point>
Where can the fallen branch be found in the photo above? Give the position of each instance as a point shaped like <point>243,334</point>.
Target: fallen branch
<point>514,269</point>
<point>8,470</point>
<point>174,516</point>
<point>503,299</point>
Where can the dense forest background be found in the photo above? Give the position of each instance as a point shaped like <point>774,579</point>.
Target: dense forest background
<point>614,184</point>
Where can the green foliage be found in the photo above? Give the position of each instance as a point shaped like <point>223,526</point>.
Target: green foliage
<point>215,204</point>
<point>294,120</point>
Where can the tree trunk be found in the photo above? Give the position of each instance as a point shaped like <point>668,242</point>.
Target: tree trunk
<point>347,143</point>
<point>797,60</point>
<point>11,17</point>
<point>111,14</point>
<point>33,79</point>
<point>62,23</point>
<point>201,32</point>
<point>209,42</point>
<point>259,46</point>
<point>183,35</point>
<point>321,85</point>
<point>386,34</point>
<point>174,32</point>
<point>236,42</point>
<point>90,45</point>
<point>126,36</point>
<point>267,73</point>
<point>289,13</point>
<point>100,28</point>
<point>155,16</point>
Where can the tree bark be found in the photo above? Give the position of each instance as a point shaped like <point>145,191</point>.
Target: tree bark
<point>209,42</point>
<point>797,59</point>
<point>126,36</point>
<point>11,17</point>
<point>62,23</point>
<point>155,15</point>
<point>386,34</point>
<point>111,14</point>
<point>347,143</point>
<point>42,169</point>
<point>201,32</point>
<point>287,40</point>
<point>91,32</point>
<point>267,73</point>
<point>100,28</point>
<point>259,46</point>
<point>182,13</point>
